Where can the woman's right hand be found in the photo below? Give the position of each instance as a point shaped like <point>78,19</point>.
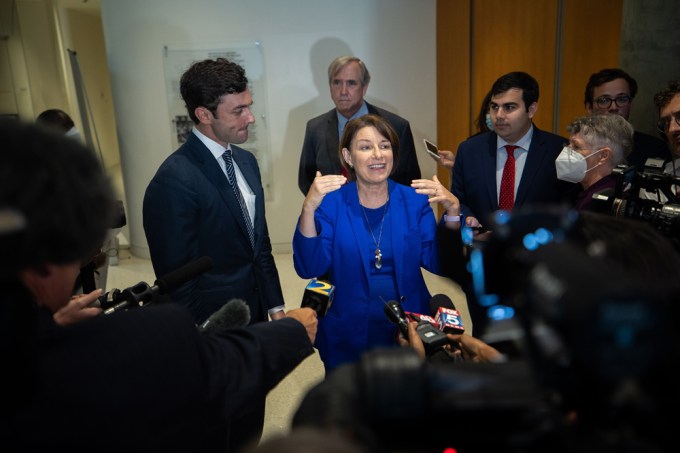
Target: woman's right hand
<point>320,187</point>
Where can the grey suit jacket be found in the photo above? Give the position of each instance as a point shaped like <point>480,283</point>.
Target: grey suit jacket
<point>320,150</point>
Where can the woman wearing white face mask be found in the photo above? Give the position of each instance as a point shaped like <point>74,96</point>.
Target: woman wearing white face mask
<point>597,144</point>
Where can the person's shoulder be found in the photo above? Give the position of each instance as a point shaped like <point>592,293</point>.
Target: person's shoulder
<point>242,152</point>
<point>392,117</point>
<point>321,119</point>
<point>545,135</point>
<point>647,140</point>
<point>548,139</point>
<point>477,141</point>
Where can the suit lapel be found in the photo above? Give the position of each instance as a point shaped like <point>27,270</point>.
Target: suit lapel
<point>397,215</point>
<point>532,165</point>
<point>489,160</point>
<point>358,224</point>
<point>332,140</point>
<point>251,176</point>
<point>200,154</point>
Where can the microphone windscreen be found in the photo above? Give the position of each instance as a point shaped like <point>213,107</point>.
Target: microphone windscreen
<point>234,313</point>
<point>182,275</point>
<point>318,296</point>
<point>440,300</point>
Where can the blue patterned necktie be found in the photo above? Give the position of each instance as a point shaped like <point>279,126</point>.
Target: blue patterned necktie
<point>231,177</point>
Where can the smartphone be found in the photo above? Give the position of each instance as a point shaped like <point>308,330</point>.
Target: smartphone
<point>432,149</point>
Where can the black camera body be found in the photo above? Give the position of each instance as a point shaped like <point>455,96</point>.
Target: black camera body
<point>628,199</point>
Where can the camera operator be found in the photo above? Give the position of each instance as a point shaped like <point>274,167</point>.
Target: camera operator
<point>668,103</point>
<point>597,144</point>
<point>138,380</point>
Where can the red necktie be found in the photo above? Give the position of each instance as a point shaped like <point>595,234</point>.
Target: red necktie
<point>506,200</point>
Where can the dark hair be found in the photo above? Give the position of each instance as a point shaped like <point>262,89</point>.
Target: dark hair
<point>480,122</point>
<point>205,82</point>
<point>607,75</point>
<point>637,246</point>
<point>382,126</point>
<point>663,97</point>
<point>60,191</point>
<point>521,81</point>
<point>55,118</point>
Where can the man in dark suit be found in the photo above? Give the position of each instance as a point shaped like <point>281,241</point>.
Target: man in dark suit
<point>348,78</point>
<point>482,162</point>
<point>207,199</point>
<point>144,379</point>
<point>612,91</point>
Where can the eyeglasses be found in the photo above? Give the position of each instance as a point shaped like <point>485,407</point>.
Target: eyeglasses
<point>665,123</point>
<point>604,101</point>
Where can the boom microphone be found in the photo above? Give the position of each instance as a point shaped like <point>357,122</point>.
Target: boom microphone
<point>142,293</point>
<point>446,315</point>
<point>234,313</point>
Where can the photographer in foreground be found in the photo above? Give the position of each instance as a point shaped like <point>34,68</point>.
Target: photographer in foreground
<point>144,379</point>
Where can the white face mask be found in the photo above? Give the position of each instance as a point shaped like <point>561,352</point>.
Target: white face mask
<point>571,166</point>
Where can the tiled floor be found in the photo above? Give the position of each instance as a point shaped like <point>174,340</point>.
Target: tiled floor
<point>283,400</point>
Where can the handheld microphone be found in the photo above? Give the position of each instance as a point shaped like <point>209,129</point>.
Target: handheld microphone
<point>142,293</point>
<point>318,296</point>
<point>395,313</point>
<point>445,314</point>
<point>428,330</point>
<point>234,313</point>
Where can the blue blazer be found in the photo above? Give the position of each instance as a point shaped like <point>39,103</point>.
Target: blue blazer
<point>190,211</point>
<point>473,178</point>
<point>337,251</point>
<point>320,150</point>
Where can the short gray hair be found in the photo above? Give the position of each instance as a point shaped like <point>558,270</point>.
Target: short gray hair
<point>340,62</point>
<point>608,130</point>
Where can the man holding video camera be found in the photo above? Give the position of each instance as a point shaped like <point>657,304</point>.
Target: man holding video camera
<point>144,379</point>
<point>668,103</point>
<point>597,144</point>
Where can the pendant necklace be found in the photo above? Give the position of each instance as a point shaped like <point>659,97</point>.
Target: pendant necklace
<point>378,253</point>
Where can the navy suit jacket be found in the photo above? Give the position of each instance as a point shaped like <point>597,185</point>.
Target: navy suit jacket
<point>191,211</point>
<point>474,175</point>
<point>321,147</point>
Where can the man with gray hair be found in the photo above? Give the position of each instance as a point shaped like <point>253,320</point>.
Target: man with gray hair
<point>348,79</point>
<point>597,144</point>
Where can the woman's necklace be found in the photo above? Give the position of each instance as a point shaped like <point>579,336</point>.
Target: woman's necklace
<point>378,253</point>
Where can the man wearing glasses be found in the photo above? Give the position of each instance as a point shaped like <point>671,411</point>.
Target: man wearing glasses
<point>612,91</point>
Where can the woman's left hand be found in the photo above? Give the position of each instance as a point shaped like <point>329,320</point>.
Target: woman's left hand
<point>437,193</point>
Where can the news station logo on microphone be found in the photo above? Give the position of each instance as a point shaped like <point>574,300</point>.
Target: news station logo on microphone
<point>318,296</point>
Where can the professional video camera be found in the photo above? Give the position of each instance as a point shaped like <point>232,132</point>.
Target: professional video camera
<point>594,373</point>
<point>647,195</point>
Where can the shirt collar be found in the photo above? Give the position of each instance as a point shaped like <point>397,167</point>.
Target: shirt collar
<point>215,148</point>
<point>342,121</point>
<point>523,142</point>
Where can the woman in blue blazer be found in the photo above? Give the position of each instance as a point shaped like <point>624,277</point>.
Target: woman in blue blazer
<point>370,237</point>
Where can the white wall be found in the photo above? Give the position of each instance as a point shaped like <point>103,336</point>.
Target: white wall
<point>396,39</point>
